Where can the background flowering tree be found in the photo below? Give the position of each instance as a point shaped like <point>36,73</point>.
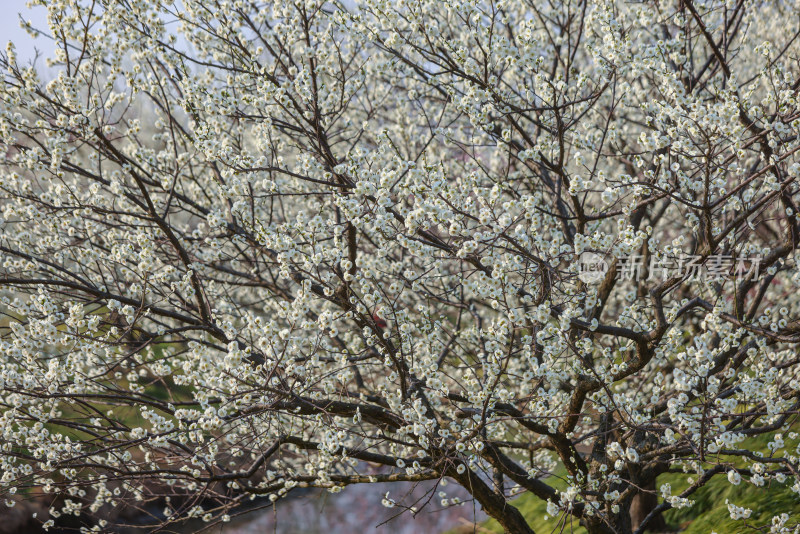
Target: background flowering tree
<point>251,246</point>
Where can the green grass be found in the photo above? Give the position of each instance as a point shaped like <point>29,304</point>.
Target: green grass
<point>535,510</point>
<point>708,514</point>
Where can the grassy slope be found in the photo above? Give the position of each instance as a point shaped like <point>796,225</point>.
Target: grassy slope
<point>709,513</point>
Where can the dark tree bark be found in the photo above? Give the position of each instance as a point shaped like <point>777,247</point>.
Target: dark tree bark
<point>643,503</point>
<point>493,504</point>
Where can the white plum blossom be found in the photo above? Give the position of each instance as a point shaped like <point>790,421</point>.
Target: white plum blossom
<point>264,246</point>
<point>738,512</point>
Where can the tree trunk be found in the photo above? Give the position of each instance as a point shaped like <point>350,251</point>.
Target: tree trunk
<point>599,527</point>
<point>493,504</point>
<point>643,503</point>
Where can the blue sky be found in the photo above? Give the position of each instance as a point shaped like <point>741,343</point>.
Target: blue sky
<point>10,30</point>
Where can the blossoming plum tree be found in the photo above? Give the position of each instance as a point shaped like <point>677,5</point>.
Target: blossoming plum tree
<point>254,246</point>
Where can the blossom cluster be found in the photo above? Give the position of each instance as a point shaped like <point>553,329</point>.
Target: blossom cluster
<point>274,245</point>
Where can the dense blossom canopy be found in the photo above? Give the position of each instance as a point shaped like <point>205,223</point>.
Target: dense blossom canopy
<point>253,246</point>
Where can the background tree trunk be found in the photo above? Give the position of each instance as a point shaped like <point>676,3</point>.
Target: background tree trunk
<point>643,503</point>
